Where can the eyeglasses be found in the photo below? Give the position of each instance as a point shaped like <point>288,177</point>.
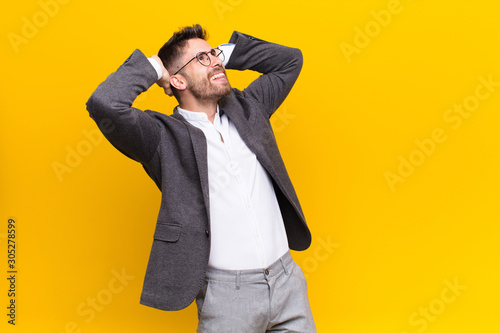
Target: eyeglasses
<point>204,58</point>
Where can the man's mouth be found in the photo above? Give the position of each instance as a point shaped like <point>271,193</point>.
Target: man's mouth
<point>218,76</point>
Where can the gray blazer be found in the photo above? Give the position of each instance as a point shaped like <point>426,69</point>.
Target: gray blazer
<point>174,154</point>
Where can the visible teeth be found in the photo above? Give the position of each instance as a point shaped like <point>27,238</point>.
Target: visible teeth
<point>216,76</point>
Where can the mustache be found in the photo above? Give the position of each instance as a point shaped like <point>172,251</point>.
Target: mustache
<point>216,70</point>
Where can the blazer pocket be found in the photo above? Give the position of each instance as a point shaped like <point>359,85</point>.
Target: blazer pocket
<point>167,232</point>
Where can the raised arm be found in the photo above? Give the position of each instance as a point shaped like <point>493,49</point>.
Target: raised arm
<point>130,130</point>
<point>280,65</point>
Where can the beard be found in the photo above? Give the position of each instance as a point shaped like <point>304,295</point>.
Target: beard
<point>204,89</point>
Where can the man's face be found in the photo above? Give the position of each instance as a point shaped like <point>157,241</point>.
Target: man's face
<point>204,82</point>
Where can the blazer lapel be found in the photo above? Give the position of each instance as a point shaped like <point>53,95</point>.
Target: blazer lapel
<point>200,151</point>
<point>255,138</point>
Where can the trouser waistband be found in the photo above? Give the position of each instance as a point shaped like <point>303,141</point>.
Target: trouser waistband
<point>252,275</point>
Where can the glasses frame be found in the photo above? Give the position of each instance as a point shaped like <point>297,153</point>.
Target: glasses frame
<point>208,53</point>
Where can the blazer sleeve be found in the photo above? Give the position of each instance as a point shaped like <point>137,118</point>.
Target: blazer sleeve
<point>280,66</point>
<point>132,131</point>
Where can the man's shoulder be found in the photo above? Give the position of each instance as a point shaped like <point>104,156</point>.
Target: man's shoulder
<point>163,117</point>
<point>241,105</point>
<point>170,123</point>
<point>239,97</point>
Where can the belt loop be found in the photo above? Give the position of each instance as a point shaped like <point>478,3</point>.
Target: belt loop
<point>238,275</point>
<point>284,266</point>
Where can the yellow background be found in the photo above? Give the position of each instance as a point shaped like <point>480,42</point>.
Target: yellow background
<point>381,253</point>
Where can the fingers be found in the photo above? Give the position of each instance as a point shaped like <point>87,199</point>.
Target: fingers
<point>165,86</point>
<point>168,91</point>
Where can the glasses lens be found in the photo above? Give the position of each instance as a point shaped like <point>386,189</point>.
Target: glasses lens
<point>220,54</point>
<point>203,58</point>
<point>217,53</point>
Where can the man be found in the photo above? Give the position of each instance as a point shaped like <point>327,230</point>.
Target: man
<point>229,213</point>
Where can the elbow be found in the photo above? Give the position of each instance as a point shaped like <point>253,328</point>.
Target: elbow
<point>298,59</point>
<point>92,104</point>
<point>97,106</point>
<point>299,56</point>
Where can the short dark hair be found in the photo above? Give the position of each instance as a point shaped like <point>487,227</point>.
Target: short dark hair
<point>171,51</point>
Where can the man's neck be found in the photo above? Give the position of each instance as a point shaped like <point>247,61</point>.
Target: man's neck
<point>207,107</point>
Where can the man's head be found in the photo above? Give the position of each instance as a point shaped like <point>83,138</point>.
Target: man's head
<point>199,72</point>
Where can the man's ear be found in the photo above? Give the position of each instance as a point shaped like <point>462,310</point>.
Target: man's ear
<point>178,82</point>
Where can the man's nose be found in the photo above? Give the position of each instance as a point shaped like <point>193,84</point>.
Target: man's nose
<point>215,61</point>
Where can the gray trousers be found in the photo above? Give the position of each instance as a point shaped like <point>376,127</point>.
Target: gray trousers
<point>255,301</point>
